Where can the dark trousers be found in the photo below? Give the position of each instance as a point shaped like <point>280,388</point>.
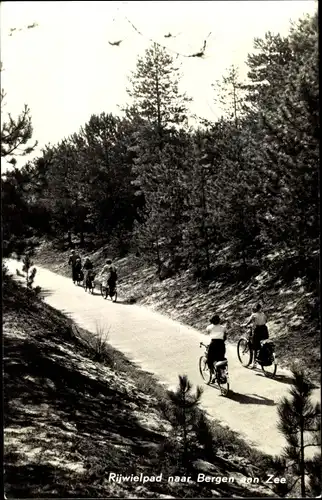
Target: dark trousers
<point>111,284</point>
<point>260,333</point>
<point>89,277</point>
<point>75,271</point>
<point>216,352</point>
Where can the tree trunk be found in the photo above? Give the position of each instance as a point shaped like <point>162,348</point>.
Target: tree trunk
<point>235,104</point>
<point>244,257</point>
<point>207,248</point>
<point>69,238</point>
<point>158,257</point>
<point>205,213</point>
<point>158,102</point>
<point>185,444</point>
<point>302,459</point>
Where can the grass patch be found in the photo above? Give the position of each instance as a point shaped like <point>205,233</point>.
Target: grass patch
<point>99,342</point>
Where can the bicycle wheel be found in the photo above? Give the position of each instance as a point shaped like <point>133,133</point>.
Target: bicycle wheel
<point>244,352</point>
<point>224,388</point>
<point>222,379</point>
<point>204,369</point>
<point>270,371</point>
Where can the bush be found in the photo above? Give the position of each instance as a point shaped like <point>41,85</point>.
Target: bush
<point>99,343</point>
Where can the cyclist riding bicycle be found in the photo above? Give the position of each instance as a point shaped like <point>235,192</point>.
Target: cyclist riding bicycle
<point>217,346</point>
<point>260,330</point>
<point>73,258</point>
<point>79,275</point>
<point>110,274</point>
<point>88,266</point>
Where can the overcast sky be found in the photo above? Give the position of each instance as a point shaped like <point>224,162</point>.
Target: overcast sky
<point>65,69</point>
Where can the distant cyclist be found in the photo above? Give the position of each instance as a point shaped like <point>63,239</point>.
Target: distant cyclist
<point>217,346</point>
<point>89,273</point>
<point>260,331</point>
<point>73,258</point>
<point>109,272</point>
<point>79,270</point>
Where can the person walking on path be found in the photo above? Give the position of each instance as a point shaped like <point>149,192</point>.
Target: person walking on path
<point>73,258</point>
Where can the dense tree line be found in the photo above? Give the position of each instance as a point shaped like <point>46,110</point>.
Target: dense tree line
<point>177,194</point>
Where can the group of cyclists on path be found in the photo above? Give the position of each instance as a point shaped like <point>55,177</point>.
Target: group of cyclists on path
<point>85,271</point>
<point>216,331</point>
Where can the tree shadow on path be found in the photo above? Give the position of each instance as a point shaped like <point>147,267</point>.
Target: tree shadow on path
<point>284,379</point>
<point>45,292</point>
<point>250,399</point>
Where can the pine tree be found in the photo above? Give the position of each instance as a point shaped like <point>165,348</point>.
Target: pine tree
<point>85,180</point>
<point>160,110</point>
<point>183,415</point>
<point>155,90</point>
<point>30,273</point>
<point>268,68</point>
<point>202,228</point>
<point>22,217</point>
<point>230,95</point>
<point>284,88</point>
<point>162,178</point>
<point>299,421</point>
<point>175,188</point>
<point>15,134</point>
<point>205,437</point>
<point>147,235</point>
<point>233,156</point>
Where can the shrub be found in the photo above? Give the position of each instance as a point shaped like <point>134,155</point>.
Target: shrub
<point>99,343</point>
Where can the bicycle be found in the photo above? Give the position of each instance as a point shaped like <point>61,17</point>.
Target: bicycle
<point>89,283</point>
<point>265,357</point>
<point>107,291</point>
<point>217,375</point>
<point>80,278</point>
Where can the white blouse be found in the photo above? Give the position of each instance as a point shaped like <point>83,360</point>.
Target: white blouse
<point>216,332</point>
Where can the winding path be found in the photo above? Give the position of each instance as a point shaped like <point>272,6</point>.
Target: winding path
<point>168,348</point>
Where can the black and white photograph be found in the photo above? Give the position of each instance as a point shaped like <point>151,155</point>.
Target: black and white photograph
<point>160,249</point>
